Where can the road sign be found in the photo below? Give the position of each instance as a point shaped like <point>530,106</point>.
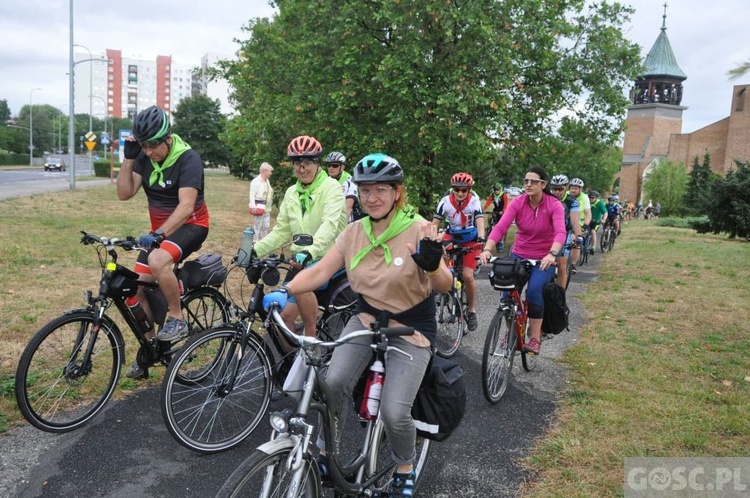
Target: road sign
<point>105,138</point>
<point>90,136</point>
<point>90,145</point>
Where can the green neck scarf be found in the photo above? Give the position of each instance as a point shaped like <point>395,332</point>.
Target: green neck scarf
<point>306,192</point>
<point>178,147</point>
<point>400,222</point>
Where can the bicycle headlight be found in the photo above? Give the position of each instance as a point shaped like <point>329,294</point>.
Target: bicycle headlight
<point>280,421</point>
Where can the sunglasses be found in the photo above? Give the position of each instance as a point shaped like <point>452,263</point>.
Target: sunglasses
<point>460,190</point>
<point>151,144</point>
<point>333,165</point>
<point>558,189</point>
<point>532,181</point>
<point>302,163</point>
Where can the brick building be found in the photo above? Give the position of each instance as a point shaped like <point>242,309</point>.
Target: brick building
<point>654,125</point>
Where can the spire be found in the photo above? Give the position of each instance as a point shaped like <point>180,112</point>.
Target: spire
<point>664,18</point>
<point>660,60</point>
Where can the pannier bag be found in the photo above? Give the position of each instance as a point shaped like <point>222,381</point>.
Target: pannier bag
<point>556,311</point>
<point>508,274</point>
<point>441,400</point>
<point>207,269</point>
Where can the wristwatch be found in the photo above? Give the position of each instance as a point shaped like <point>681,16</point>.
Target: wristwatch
<point>555,253</point>
<point>159,233</point>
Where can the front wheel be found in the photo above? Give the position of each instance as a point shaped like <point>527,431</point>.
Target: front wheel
<point>497,358</point>
<point>205,413</point>
<point>450,321</point>
<point>270,475</point>
<point>528,360</point>
<point>59,385</point>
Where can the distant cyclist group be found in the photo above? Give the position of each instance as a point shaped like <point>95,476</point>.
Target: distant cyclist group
<point>360,225</point>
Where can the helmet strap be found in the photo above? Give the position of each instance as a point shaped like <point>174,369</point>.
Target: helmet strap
<point>375,220</point>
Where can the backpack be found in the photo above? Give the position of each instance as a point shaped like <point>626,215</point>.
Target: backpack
<point>556,311</point>
<point>441,400</point>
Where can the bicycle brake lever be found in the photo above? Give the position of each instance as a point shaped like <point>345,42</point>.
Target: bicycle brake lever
<point>399,350</point>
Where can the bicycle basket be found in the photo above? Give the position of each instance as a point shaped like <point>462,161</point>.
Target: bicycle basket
<point>508,274</point>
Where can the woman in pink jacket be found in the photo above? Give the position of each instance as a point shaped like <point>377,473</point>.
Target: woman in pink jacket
<point>540,219</point>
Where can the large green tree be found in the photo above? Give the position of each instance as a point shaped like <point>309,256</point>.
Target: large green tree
<point>667,184</point>
<point>198,120</point>
<point>440,85</point>
<point>729,211</point>
<point>700,181</point>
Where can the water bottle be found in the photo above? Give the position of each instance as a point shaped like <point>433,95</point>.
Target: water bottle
<point>246,247</point>
<point>373,389</point>
<point>141,318</point>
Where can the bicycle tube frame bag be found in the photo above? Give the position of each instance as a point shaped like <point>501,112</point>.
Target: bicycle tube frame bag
<point>441,400</point>
<point>207,269</point>
<point>124,283</point>
<point>556,311</point>
<point>508,274</point>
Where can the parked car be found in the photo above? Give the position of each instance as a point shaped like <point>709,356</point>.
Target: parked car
<point>514,192</point>
<point>54,163</point>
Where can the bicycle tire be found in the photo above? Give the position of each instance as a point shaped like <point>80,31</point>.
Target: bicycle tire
<point>381,458</point>
<point>266,474</point>
<point>497,361</point>
<point>50,394</point>
<point>199,414</point>
<point>528,360</point>
<point>450,324</point>
<point>205,307</point>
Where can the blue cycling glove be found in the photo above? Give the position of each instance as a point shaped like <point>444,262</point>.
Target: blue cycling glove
<point>150,240</point>
<point>302,258</point>
<point>278,296</point>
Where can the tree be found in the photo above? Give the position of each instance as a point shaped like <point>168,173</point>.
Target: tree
<point>729,211</point>
<point>4,111</point>
<point>441,86</point>
<point>667,184</point>
<point>198,120</point>
<point>700,180</point>
<point>739,70</point>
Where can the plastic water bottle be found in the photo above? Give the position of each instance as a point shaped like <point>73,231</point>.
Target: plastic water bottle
<point>141,318</point>
<point>373,390</point>
<point>246,247</point>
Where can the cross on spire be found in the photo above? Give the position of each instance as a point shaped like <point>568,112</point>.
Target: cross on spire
<point>664,18</point>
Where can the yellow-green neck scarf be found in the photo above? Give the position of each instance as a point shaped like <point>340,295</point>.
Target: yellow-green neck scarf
<point>178,147</point>
<point>306,192</point>
<point>400,222</point>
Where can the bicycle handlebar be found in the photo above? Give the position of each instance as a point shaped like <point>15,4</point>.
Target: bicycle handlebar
<point>129,243</point>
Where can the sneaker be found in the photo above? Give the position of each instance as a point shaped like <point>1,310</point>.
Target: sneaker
<point>402,485</point>
<point>533,346</point>
<point>573,270</point>
<point>173,330</point>
<point>137,372</point>
<point>471,320</point>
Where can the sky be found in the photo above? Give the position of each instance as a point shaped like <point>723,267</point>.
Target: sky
<point>708,38</point>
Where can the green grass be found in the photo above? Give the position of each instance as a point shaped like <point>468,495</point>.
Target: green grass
<point>662,365</point>
<point>44,269</point>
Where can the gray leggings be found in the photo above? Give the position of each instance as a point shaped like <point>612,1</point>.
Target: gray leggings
<point>402,379</point>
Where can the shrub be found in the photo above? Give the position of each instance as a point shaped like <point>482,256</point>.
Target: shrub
<point>101,168</point>
<point>13,159</point>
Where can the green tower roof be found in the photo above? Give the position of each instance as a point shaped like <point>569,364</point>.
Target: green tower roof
<point>660,60</point>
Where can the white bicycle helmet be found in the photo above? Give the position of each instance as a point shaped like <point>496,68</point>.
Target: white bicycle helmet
<point>576,182</point>
<point>559,180</point>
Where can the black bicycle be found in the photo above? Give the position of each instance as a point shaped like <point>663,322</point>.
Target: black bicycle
<point>236,368</point>
<point>609,235</point>
<point>287,465</point>
<point>452,306</point>
<point>70,368</point>
<point>583,258</point>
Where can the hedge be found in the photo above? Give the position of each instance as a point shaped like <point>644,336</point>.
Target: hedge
<point>13,159</point>
<point>101,168</point>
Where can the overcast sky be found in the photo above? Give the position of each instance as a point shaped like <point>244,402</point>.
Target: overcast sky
<point>708,38</point>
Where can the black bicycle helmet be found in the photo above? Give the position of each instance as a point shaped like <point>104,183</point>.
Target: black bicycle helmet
<point>336,157</point>
<point>378,168</point>
<point>151,124</point>
<point>593,194</point>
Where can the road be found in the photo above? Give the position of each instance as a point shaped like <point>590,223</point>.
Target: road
<point>32,181</point>
<point>127,452</point>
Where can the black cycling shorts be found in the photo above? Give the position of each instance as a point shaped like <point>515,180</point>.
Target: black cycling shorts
<point>181,243</point>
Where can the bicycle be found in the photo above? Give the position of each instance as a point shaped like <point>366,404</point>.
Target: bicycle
<point>508,333</point>
<point>583,258</point>
<point>69,369</point>
<point>608,236</point>
<point>452,306</point>
<point>287,465</point>
<point>238,368</point>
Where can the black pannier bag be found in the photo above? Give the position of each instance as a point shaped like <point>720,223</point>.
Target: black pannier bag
<point>206,269</point>
<point>556,311</point>
<point>508,274</point>
<point>441,400</point>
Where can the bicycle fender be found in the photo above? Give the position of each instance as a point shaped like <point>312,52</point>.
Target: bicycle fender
<point>278,444</point>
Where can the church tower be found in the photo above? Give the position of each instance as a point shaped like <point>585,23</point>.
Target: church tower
<point>655,114</point>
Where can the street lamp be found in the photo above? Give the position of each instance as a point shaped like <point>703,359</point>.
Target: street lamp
<point>31,126</point>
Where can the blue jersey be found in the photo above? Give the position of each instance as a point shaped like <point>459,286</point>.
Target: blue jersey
<point>613,211</point>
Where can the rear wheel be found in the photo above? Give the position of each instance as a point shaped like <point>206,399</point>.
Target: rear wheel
<point>57,388</point>
<point>381,458</point>
<point>205,414</point>
<point>497,358</point>
<point>450,322</point>
<point>270,475</point>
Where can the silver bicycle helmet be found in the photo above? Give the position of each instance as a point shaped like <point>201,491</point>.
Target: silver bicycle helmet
<point>336,157</point>
<point>559,180</point>
<point>576,182</point>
